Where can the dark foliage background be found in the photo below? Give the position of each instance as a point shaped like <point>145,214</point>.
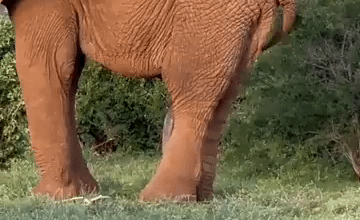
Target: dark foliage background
<point>303,100</point>
<point>119,112</point>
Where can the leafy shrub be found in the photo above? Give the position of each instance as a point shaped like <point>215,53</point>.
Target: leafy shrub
<point>300,90</point>
<point>336,62</point>
<point>122,112</point>
<point>13,124</point>
<point>6,37</point>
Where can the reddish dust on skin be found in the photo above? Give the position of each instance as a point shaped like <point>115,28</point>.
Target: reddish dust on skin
<point>202,49</point>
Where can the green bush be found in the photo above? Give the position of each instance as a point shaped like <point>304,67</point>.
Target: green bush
<point>127,113</point>
<point>13,124</point>
<point>300,90</point>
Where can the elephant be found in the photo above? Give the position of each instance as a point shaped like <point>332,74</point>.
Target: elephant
<point>203,50</point>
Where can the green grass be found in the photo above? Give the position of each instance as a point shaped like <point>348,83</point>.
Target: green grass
<point>314,191</point>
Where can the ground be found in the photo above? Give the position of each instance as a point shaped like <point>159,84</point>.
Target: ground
<point>313,191</point>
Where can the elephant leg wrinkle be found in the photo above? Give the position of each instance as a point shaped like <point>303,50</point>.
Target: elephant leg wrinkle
<point>205,187</point>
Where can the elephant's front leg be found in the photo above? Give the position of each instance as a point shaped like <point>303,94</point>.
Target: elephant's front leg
<point>48,75</point>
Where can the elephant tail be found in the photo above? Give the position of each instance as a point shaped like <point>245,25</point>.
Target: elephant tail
<point>289,14</point>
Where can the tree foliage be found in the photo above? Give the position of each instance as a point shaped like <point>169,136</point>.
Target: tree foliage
<point>303,99</point>
<point>13,125</point>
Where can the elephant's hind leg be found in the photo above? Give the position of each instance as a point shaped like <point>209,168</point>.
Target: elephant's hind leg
<point>48,74</point>
<point>188,167</point>
<point>177,175</point>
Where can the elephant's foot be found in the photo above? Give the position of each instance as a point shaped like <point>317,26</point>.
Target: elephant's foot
<point>176,178</point>
<point>160,190</point>
<point>187,170</point>
<point>61,188</point>
<point>172,186</point>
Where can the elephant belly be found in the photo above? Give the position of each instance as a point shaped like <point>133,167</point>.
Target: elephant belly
<point>129,68</point>
<point>126,36</point>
